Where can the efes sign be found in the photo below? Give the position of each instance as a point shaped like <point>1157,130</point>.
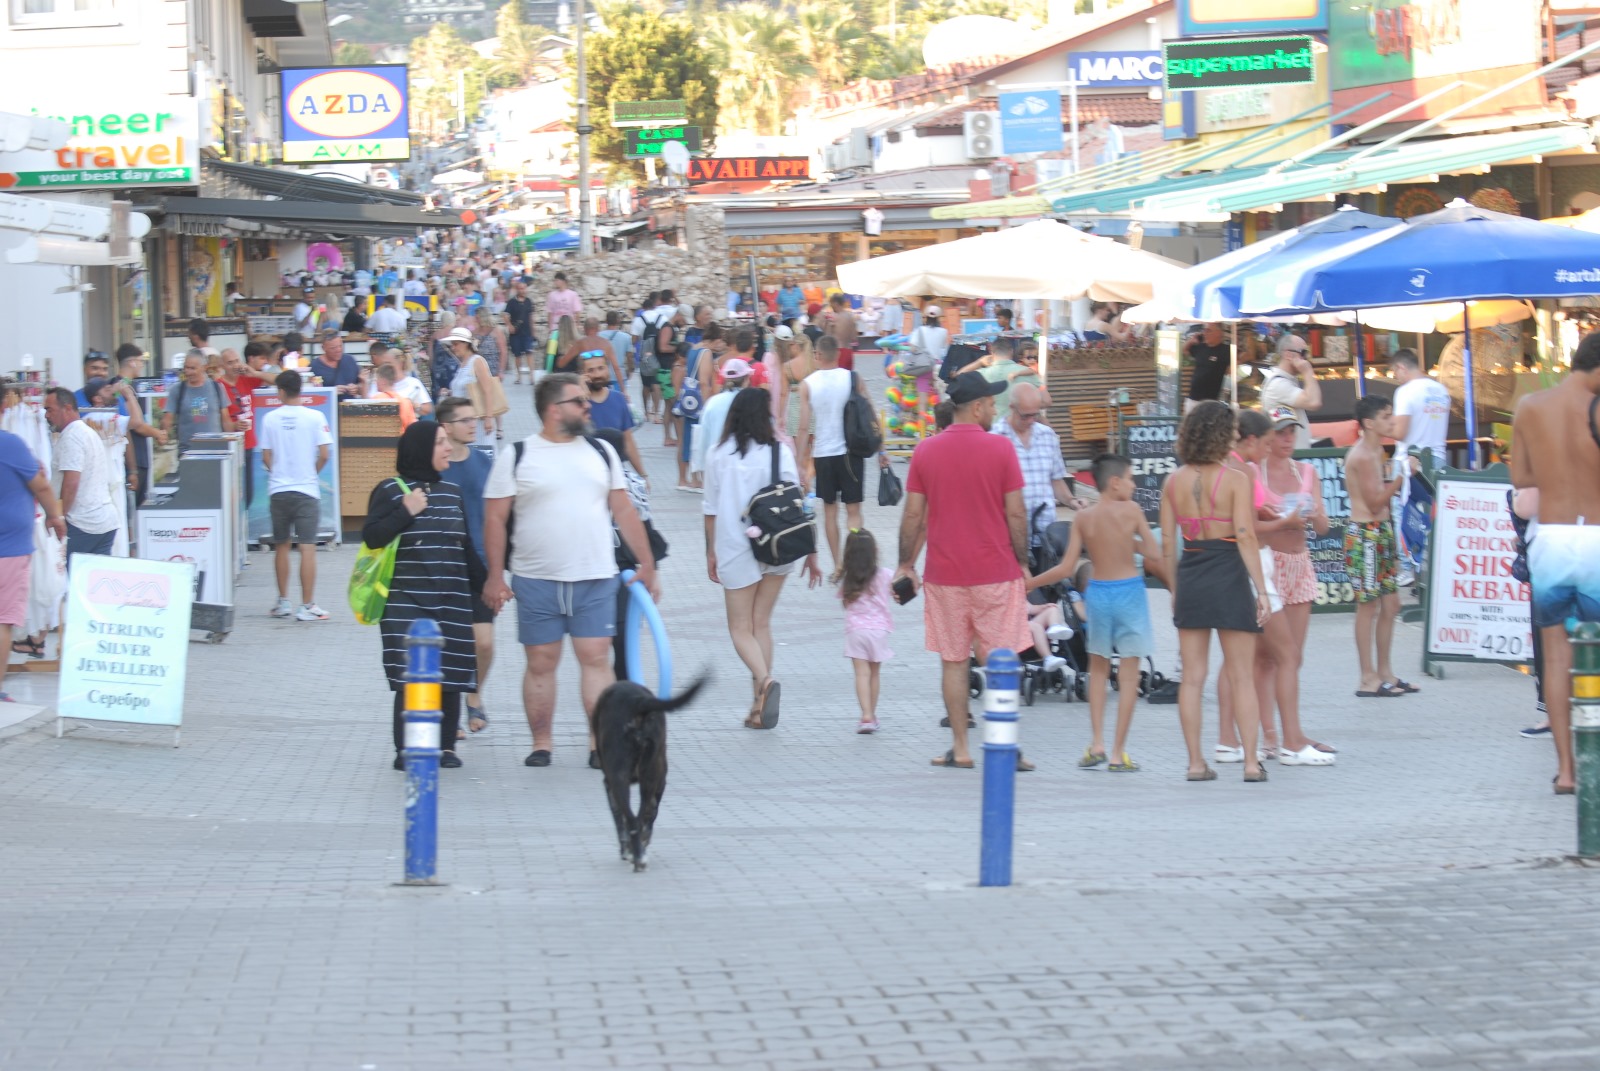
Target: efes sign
<point>345,115</point>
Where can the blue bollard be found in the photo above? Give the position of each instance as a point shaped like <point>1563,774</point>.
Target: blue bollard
<point>1003,672</point>
<point>424,643</point>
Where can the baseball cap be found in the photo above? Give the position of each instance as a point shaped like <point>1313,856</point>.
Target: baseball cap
<point>94,386</point>
<point>783,333</point>
<point>1282,416</point>
<point>735,368</point>
<point>970,386</point>
<point>932,310</point>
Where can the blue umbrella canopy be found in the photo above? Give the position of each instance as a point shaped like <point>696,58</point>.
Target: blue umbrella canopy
<point>552,240</point>
<point>1215,289</point>
<point>1461,253</point>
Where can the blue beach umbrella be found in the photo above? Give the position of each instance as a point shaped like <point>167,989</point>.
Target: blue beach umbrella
<point>1214,289</point>
<point>1460,254</point>
<point>550,241</point>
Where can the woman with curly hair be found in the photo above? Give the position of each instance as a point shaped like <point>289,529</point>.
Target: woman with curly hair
<point>1217,582</point>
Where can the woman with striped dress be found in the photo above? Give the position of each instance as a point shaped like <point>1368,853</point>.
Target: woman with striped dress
<point>435,572</point>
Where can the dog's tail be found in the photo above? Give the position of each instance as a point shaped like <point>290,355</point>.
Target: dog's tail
<point>682,699</point>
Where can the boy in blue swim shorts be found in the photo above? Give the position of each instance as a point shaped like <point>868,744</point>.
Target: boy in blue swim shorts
<point>1110,533</point>
<point>1555,450</point>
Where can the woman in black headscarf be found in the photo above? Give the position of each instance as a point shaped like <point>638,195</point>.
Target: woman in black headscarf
<point>435,572</point>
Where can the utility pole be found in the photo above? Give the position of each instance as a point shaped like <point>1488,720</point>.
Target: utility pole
<point>585,209</point>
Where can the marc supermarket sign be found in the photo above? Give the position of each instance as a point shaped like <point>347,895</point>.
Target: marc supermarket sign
<point>346,114</point>
<point>148,141</point>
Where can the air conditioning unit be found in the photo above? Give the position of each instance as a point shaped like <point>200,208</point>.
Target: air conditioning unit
<point>980,135</point>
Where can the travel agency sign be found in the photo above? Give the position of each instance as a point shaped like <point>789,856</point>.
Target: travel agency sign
<point>145,141</point>
<point>346,115</point>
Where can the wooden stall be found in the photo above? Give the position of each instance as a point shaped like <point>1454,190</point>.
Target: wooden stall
<point>368,434</point>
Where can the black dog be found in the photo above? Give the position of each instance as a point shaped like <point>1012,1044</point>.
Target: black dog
<point>630,732</point>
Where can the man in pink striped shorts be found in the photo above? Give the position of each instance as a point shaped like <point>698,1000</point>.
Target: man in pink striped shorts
<point>964,501</point>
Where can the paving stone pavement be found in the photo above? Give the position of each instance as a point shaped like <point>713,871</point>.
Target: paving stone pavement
<point>810,902</point>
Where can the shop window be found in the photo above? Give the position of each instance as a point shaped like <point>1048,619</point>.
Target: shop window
<point>49,13</point>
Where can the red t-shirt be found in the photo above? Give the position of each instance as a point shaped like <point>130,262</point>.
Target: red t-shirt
<point>965,473</point>
<point>241,401</point>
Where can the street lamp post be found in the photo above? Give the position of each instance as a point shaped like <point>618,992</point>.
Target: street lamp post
<point>585,209</point>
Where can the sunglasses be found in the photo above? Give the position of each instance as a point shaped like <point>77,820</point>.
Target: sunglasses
<point>574,401</point>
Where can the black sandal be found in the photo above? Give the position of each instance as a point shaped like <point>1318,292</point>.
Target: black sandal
<point>31,648</point>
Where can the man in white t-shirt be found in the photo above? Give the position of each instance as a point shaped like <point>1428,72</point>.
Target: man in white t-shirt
<point>565,491</point>
<point>79,464</point>
<point>294,440</point>
<point>1421,406</point>
<point>825,463</point>
<point>1293,383</point>
<point>1422,421</point>
<point>387,320</point>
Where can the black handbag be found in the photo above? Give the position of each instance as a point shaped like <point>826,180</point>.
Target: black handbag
<point>890,489</point>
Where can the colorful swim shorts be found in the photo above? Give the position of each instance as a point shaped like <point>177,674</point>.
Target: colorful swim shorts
<point>1371,559</point>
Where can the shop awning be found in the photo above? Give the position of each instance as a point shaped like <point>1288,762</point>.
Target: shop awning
<point>304,186</point>
<point>1316,180</point>
<point>308,218</point>
<point>1213,196</point>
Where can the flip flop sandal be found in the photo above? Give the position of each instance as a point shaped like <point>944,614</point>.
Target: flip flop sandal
<point>767,712</point>
<point>1256,778</point>
<point>1125,765</point>
<point>1384,691</point>
<point>1208,775</point>
<point>949,762</point>
<point>476,714</point>
<point>1090,760</point>
<point>1404,687</point>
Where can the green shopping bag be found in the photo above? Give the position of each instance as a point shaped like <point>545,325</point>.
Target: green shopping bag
<point>369,580</point>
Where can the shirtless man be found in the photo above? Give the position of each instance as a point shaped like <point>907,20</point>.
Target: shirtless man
<point>1555,447</point>
<point>1110,533</point>
<point>1370,553</point>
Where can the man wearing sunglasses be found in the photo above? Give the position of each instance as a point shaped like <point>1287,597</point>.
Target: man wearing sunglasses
<point>592,344</point>
<point>1293,383</point>
<point>1044,475</point>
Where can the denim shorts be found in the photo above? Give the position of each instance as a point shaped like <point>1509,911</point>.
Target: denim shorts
<point>547,610</point>
<point>1119,618</point>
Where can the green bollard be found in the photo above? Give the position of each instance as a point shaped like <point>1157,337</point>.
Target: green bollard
<point>1586,732</point>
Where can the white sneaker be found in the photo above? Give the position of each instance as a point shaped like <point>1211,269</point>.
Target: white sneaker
<point>1053,663</point>
<point>1059,632</point>
<point>283,608</point>
<point>311,612</point>
<point>1406,578</point>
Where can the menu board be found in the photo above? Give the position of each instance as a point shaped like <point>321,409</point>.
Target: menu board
<point>1334,591</point>
<point>1151,444</point>
<point>1476,609</point>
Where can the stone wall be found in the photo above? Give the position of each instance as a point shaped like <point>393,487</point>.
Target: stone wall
<point>698,275</point>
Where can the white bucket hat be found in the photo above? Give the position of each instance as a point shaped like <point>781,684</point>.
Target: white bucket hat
<point>462,334</point>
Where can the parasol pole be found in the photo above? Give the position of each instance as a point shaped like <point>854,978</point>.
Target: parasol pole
<point>1233,367</point>
<point>1470,402</point>
<point>1361,360</point>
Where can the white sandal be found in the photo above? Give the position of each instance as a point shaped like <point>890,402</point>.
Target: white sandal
<point>1224,753</point>
<point>1306,756</point>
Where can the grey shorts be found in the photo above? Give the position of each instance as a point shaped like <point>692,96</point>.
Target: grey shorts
<point>294,518</point>
<point>547,610</point>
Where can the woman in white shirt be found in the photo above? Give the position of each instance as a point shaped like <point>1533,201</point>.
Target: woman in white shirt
<point>736,468</point>
<point>934,340</point>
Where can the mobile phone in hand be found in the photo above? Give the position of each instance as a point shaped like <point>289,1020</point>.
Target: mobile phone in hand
<point>904,590</point>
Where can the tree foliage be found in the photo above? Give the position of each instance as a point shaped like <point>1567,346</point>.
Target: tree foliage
<point>646,56</point>
<point>758,52</point>
<point>442,63</point>
<point>354,55</point>
<point>517,60</point>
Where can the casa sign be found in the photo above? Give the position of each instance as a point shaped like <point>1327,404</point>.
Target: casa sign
<point>152,141</point>
<point>345,115</point>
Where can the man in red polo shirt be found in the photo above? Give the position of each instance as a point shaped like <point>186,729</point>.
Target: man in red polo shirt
<point>964,500</point>
<point>240,383</point>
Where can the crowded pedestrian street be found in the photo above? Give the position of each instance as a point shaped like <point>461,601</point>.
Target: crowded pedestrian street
<point>811,900</point>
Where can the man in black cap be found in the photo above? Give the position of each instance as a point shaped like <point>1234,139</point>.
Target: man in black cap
<point>964,501</point>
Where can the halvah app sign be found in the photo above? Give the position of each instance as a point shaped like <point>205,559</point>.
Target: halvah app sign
<point>153,141</point>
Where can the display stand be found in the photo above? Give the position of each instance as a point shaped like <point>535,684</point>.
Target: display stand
<point>198,524</point>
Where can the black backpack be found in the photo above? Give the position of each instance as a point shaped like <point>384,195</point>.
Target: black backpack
<point>862,436</point>
<point>778,510</point>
